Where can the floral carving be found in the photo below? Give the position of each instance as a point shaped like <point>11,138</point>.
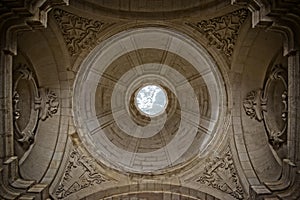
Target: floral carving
<point>79,33</point>
<point>222,32</point>
<point>80,173</point>
<point>220,173</point>
<point>47,103</point>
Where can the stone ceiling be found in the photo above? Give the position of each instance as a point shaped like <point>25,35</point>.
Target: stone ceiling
<point>106,116</point>
<point>227,131</point>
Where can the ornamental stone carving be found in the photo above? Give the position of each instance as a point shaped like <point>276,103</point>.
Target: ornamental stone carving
<point>30,104</point>
<point>220,173</point>
<point>25,116</point>
<point>254,105</point>
<point>47,103</point>
<point>222,32</point>
<point>79,33</point>
<point>80,173</point>
<point>270,105</point>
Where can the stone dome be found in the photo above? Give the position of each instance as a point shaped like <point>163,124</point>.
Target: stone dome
<point>111,125</point>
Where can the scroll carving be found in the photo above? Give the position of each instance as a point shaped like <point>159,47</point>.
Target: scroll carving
<point>79,33</point>
<point>30,104</point>
<point>220,173</point>
<point>80,173</point>
<point>254,105</point>
<point>222,32</point>
<point>270,105</point>
<point>47,103</point>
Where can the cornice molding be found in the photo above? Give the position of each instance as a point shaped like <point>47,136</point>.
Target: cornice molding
<point>281,16</point>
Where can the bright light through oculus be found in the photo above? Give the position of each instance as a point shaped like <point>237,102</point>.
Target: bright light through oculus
<point>151,100</point>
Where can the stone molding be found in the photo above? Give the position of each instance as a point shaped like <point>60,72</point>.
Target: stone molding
<point>277,15</point>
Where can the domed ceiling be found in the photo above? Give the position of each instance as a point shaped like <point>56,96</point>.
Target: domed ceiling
<point>140,99</point>
<point>124,78</point>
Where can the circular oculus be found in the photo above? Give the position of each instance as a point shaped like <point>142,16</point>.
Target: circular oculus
<point>151,100</point>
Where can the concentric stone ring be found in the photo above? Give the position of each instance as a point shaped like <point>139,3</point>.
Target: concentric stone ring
<point>125,130</point>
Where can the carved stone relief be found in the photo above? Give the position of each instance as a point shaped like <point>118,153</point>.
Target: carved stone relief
<point>30,104</point>
<point>222,32</point>
<point>254,105</point>
<point>80,173</point>
<point>270,105</point>
<point>220,173</point>
<point>46,103</point>
<point>79,33</point>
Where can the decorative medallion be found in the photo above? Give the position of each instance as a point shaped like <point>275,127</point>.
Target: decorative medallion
<point>80,173</point>
<point>220,173</point>
<point>30,104</point>
<point>25,116</point>
<point>79,33</point>
<point>222,32</point>
<point>270,105</point>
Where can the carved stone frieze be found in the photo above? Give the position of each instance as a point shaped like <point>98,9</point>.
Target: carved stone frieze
<point>80,173</point>
<point>220,173</point>
<point>222,32</point>
<point>79,33</point>
<point>270,105</point>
